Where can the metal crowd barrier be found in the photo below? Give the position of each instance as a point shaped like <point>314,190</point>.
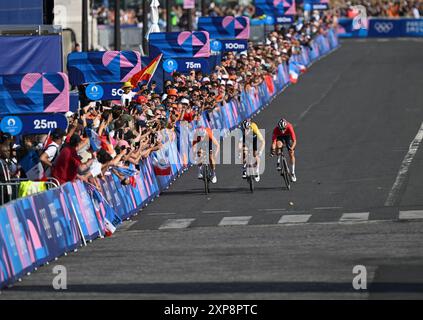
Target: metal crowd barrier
<point>9,188</point>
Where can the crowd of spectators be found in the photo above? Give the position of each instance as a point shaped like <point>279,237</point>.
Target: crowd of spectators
<point>382,8</point>
<point>105,138</point>
<point>179,16</point>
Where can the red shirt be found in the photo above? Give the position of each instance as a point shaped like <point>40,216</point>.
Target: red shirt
<point>289,131</point>
<point>66,166</point>
<point>189,116</point>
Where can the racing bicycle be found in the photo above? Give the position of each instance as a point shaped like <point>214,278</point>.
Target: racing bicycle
<point>285,172</point>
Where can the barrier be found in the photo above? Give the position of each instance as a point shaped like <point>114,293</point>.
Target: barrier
<point>37,229</point>
<point>381,27</point>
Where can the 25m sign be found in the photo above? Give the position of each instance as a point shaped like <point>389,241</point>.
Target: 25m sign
<point>34,123</point>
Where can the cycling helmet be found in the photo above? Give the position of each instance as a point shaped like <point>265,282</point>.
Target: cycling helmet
<point>282,124</point>
<point>246,124</point>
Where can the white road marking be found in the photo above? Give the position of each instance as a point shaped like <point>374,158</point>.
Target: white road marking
<point>160,213</point>
<point>294,218</point>
<point>217,211</point>
<point>411,215</point>
<point>235,221</point>
<point>405,165</point>
<point>176,224</point>
<point>354,217</point>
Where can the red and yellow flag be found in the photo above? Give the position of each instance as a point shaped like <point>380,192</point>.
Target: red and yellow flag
<point>146,74</point>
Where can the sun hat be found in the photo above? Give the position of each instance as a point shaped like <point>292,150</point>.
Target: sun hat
<point>172,92</point>
<point>184,101</point>
<point>127,85</point>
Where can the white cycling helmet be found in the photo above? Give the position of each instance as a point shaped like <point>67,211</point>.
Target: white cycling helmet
<point>282,124</point>
<point>246,124</point>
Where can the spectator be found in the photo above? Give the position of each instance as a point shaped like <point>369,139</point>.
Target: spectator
<point>68,164</point>
<point>50,153</point>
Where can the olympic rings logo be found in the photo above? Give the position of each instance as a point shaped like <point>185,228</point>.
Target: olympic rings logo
<point>384,27</point>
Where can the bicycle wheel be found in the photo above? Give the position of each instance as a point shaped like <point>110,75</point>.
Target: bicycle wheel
<point>206,178</point>
<point>285,174</point>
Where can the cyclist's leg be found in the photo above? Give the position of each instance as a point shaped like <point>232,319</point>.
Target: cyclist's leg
<point>212,161</point>
<point>244,160</point>
<point>200,163</point>
<point>255,155</point>
<point>279,147</point>
<point>291,155</point>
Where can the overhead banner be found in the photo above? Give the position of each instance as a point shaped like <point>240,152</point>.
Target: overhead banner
<point>270,7</point>
<point>185,44</point>
<point>25,54</point>
<point>34,92</point>
<point>102,66</point>
<point>225,27</point>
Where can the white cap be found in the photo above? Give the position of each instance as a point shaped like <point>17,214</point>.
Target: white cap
<point>225,76</point>
<point>230,83</point>
<point>206,79</point>
<point>69,114</point>
<point>184,101</point>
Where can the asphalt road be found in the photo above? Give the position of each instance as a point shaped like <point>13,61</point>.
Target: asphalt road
<point>358,201</point>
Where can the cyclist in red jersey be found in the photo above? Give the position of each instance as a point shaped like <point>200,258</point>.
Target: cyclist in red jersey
<point>284,135</point>
<point>206,135</point>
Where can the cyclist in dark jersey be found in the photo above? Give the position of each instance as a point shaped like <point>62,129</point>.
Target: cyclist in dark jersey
<point>206,135</point>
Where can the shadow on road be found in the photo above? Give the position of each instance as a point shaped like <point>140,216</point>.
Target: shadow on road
<point>231,287</point>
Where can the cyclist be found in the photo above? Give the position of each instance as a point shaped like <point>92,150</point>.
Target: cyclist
<point>250,128</point>
<point>206,135</point>
<point>284,134</point>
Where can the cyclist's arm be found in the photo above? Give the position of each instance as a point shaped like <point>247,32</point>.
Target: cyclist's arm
<point>274,138</point>
<point>260,137</point>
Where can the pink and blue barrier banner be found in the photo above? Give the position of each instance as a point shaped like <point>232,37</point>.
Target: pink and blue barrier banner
<point>225,27</point>
<point>102,66</point>
<point>381,28</point>
<point>35,230</point>
<point>34,92</point>
<point>39,228</point>
<point>270,7</point>
<point>25,54</point>
<point>184,44</point>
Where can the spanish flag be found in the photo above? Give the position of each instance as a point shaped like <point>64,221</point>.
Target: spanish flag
<point>146,74</point>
